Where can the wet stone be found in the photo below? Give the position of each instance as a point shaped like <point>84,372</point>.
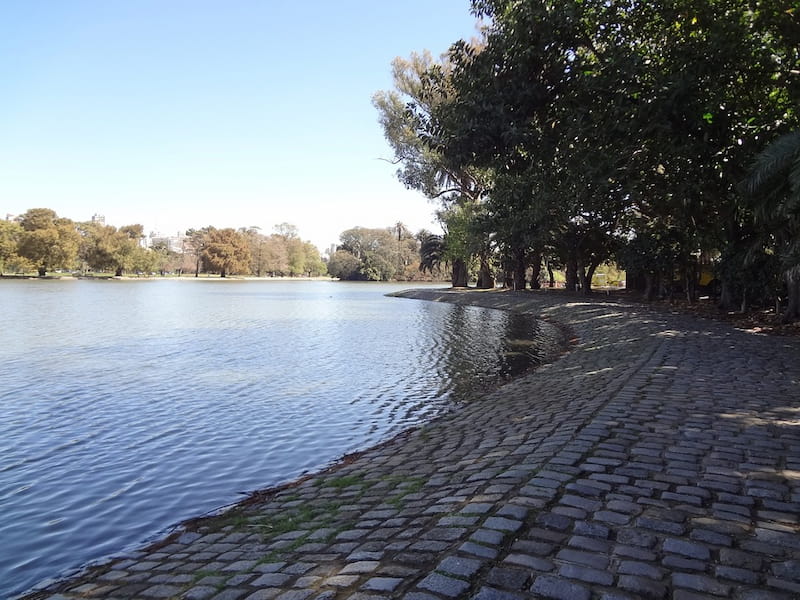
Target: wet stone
<point>230,594</point>
<point>161,591</point>
<point>446,586</point>
<point>502,524</point>
<point>461,567</point>
<point>700,583</point>
<point>445,533</point>
<point>589,529</point>
<point>364,566</point>
<point>554,521</point>
<point>382,584</point>
<point>642,569</point>
<point>736,574</point>
<point>534,563</point>
<point>586,574</point>
<point>510,578</point>
<point>488,536</point>
<point>429,546</point>
<point>295,595</point>
<point>341,580</point>
<point>271,580</point>
<point>557,588</point>
<point>200,592</point>
<point>642,587</point>
<point>685,548</point>
<point>478,550</point>
<point>457,521</point>
<point>597,561</point>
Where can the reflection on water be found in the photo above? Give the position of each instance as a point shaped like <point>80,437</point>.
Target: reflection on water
<point>126,407</point>
<point>508,345</point>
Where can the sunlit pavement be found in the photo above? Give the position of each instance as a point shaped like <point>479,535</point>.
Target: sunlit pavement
<point>659,457</point>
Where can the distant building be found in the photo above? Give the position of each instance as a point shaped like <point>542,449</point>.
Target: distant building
<point>100,219</point>
<point>173,243</point>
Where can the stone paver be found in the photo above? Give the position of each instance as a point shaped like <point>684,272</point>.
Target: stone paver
<point>659,457</point>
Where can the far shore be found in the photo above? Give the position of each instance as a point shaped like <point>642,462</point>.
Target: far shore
<point>203,277</point>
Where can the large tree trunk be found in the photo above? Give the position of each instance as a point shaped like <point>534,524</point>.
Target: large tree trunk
<point>459,273</point>
<point>485,277</point>
<point>690,282</point>
<point>725,295</point>
<point>118,272</point>
<point>650,285</point>
<point>581,275</point>
<point>571,274</point>
<point>792,312</point>
<point>586,278</point>
<point>519,269</point>
<point>536,264</point>
<point>42,271</point>
<point>551,277</point>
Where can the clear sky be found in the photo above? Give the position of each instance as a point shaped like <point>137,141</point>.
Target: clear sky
<point>233,113</point>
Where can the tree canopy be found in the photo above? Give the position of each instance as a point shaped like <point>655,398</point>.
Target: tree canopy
<point>47,240</point>
<point>41,240</point>
<point>365,254</point>
<point>609,131</point>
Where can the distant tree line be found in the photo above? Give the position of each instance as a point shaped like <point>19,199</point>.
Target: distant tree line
<point>391,253</point>
<point>41,241</point>
<point>661,136</point>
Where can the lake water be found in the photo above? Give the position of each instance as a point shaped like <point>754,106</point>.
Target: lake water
<point>129,406</point>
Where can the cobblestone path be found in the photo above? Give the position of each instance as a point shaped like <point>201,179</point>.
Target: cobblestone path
<point>658,458</point>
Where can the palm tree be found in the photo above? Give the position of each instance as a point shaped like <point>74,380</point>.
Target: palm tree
<point>431,253</point>
<point>773,186</point>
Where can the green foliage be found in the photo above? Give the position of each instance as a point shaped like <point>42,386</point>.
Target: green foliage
<point>773,190</point>
<point>375,254</point>
<point>48,241</point>
<point>609,130</point>
<point>226,252</point>
<point>10,233</point>
<point>41,240</point>
<point>106,248</point>
<point>343,265</point>
<point>432,253</point>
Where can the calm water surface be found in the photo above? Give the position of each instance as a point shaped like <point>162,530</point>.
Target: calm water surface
<point>129,406</point>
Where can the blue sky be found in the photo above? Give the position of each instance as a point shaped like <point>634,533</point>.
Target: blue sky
<point>187,113</point>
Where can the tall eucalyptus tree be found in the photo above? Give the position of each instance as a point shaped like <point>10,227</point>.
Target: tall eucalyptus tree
<point>421,85</point>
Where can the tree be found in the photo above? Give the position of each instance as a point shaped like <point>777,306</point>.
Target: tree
<point>106,248</point>
<point>432,253</point>
<point>422,85</point>
<point>286,230</point>
<point>226,251</point>
<point>295,251</point>
<point>314,265</point>
<point>276,255</point>
<point>773,187</point>
<point>375,254</point>
<point>47,240</point>
<point>403,110</point>
<point>197,240</point>
<point>595,120</point>
<point>343,265</point>
<point>255,242</point>
<point>10,233</point>
<point>375,249</point>
<point>165,260</point>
